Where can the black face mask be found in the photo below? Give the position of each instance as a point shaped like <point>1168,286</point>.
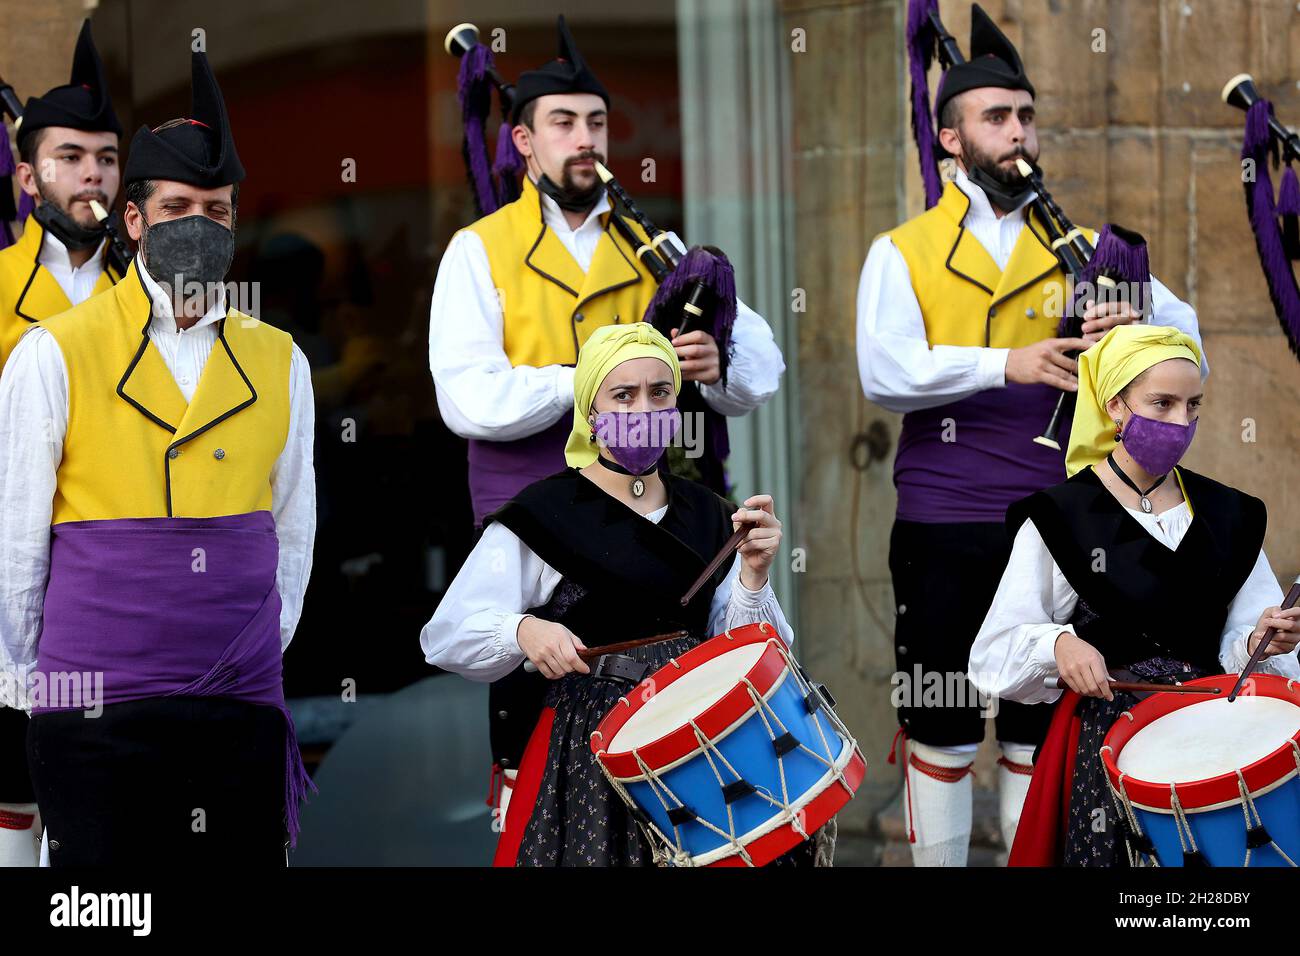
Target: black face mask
<point>66,229</point>
<point>572,200</point>
<point>1003,195</point>
<point>195,248</point>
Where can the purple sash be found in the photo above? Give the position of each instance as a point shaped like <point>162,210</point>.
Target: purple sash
<point>499,470</point>
<point>168,606</point>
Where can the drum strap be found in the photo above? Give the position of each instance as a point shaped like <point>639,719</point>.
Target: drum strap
<point>620,668</point>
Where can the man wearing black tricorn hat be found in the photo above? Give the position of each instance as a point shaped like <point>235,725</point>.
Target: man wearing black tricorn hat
<point>68,150</point>
<point>957,330</point>
<point>157,511</point>
<point>520,290</point>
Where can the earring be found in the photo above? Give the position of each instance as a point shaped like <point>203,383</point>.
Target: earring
<point>592,437</point>
<point>1117,430</point>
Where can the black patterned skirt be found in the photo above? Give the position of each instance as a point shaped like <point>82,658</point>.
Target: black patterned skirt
<point>578,819</point>
<point>1095,829</point>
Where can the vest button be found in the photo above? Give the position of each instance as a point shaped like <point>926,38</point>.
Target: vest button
<point>1030,313</point>
<point>219,454</point>
<point>578,317</point>
<point>992,313</point>
<point>173,452</point>
<point>502,714</point>
<point>505,762</point>
<point>901,649</point>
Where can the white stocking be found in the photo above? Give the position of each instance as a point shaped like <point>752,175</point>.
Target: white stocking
<point>940,815</point>
<point>19,835</point>
<point>1013,785</point>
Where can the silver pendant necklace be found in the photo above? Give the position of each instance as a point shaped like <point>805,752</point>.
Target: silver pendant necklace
<point>1143,500</point>
<point>637,485</point>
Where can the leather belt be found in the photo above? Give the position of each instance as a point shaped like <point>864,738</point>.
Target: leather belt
<point>620,668</point>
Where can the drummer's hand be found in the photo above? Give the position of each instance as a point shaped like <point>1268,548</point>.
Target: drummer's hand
<point>1082,667</point>
<point>1288,631</point>
<point>1098,319</point>
<point>697,352</point>
<point>552,647</point>
<point>758,548</point>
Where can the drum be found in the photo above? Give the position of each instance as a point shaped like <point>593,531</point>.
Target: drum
<point>729,755</point>
<point>1199,781</point>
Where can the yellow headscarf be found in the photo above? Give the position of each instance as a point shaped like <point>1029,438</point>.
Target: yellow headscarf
<point>609,346</point>
<point>1123,353</point>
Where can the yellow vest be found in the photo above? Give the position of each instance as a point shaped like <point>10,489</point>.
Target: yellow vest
<point>28,292</point>
<point>134,447</point>
<point>965,298</point>
<point>550,306</point>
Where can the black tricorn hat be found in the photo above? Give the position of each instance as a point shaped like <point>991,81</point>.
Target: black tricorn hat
<point>82,104</point>
<point>568,73</point>
<point>198,150</point>
<point>993,62</point>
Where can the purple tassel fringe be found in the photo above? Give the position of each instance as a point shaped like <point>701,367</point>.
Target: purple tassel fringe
<point>475,95</point>
<point>508,166</point>
<point>921,43</point>
<point>720,278</point>
<point>1263,213</point>
<point>7,169</point>
<point>1288,194</point>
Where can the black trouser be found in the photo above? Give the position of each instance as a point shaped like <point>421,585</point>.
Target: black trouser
<point>15,781</point>
<point>165,780</point>
<point>945,577</point>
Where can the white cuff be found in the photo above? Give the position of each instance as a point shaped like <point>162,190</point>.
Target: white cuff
<point>1042,655</point>
<point>564,387</point>
<point>506,635</point>
<point>991,372</point>
<point>754,600</point>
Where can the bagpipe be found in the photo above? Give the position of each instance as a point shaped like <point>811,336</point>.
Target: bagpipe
<point>1116,268</point>
<point>1275,223</point>
<point>696,287</point>
<point>118,255</point>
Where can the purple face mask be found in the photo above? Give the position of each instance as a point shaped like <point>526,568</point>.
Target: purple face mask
<point>1155,445</point>
<point>638,439</point>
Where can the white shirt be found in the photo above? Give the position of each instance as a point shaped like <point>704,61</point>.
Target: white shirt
<point>481,395</point>
<point>1015,651</point>
<point>474,631</point>
<point>898,367</point>
<point>77,282</point>
<point>33,423</point>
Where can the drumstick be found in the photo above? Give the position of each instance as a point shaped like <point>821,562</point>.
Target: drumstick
<point>723,553</point>
<point>591,653</point>
<point>1057,683</point>
<point>1290,600</point>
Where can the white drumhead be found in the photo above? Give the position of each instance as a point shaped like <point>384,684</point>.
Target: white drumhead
<point>686,698</point>
<point>1208,739</point>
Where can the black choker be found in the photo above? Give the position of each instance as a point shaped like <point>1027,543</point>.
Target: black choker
<point>1142,495</point>
<point>638,481</point>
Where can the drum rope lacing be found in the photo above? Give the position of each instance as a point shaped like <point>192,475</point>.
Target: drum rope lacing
<point>672,851</point>
<point>1125,807</point>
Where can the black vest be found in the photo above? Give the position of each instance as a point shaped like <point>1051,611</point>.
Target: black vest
<point>623,576</point>
<point>1137,598</point>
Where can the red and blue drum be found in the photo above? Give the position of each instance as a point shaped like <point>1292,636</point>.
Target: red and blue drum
<point>729,755</point>
<point>1201,781</point>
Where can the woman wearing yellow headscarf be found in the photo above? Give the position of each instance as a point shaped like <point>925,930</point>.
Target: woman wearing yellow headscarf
<point>1133,569</point>
<point>599,553</point>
